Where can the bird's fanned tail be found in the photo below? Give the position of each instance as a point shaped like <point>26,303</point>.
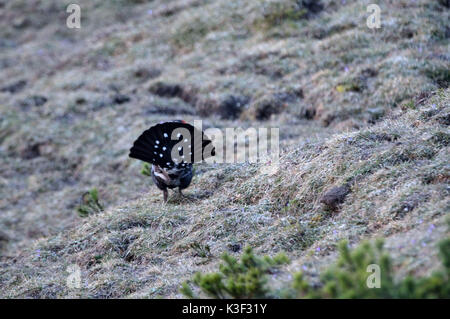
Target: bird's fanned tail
<point>155,145</point>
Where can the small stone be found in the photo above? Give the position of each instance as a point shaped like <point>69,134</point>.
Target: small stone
<point>234,247</point>
<point>14,87</point>
<point>121,98</point>
<point>335,196</point>
<point>145,74</point>
<point>232,106</point>
<point>33,101</point>
<point>166,89</point>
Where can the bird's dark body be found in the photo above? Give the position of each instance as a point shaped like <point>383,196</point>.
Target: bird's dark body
<point>178,177</point>
<point>161,142</point>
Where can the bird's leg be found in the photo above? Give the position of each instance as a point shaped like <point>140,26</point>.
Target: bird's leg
<point>181,193</point>
<point>166,194</point>
<point>184,196</point>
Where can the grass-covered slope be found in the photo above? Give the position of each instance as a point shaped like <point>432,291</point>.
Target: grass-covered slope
<point>362,113</point>
<point>396,175</point>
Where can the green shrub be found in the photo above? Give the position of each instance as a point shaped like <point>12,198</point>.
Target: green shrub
<point>439,75</point>
<point>201,250</point>
<point>191,32</point>
<point>277,13</point>
<point>244,278</point>
<point>146,169</point>
<point>90,204</point>
<point>347,278</point>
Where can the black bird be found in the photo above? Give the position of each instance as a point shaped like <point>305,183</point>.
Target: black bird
<point>172,148</point>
